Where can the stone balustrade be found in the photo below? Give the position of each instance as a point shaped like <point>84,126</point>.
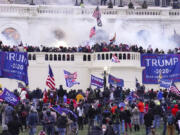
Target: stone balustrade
<point>47,10</point>
<point>98,58</point>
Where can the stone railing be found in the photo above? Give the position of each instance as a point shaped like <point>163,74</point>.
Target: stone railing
<point>51,10</point>
<point>97,58</point>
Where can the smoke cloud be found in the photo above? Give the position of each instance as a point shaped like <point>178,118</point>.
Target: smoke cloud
<point>76,31</point>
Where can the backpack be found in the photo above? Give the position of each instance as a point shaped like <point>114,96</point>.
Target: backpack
<point>170,119</point>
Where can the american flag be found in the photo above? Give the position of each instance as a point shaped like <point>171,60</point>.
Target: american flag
<point>97,15</point>
<point>50,82</point>
<point>174,89</point>
<point>115,59</point>
<point>92,32</point>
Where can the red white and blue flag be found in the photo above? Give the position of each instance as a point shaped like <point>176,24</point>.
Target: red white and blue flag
<point>70,78</point>
<point>97,15</point>
<point>174,89</point>
<point>115,59</point>
<point>92,32</point>
<point>50,82</point>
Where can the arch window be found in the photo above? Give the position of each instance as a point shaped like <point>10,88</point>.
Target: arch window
<point>59,57</point>
<point>55,57</point>
<point>51,57</point>
<point>124,56</point>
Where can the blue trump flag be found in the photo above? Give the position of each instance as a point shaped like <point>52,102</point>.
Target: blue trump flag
<point>168,65</point>
<point>96,81</point>
<point>70,78</point>
<point>14,65</point>
<point>165,83</point>
<point>9,97</point>
<point>60,110</point>
<point>115,81</point>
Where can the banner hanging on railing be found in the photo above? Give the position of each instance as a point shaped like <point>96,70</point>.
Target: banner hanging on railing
<point>168,65</point>
<point>14,65</point>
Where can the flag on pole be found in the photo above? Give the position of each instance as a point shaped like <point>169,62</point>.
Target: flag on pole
<point>97,15</point>
<point>92,32</point>
<point>115,59</point>
<point>174,89</point>
<point>115,81</point>
<point>50,82</point>
<point>113,39</point>
<point>165,83</point>
<point>70,78</point>
<point>96,81</point>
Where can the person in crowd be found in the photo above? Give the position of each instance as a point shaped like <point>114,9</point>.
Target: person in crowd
<point>135,119</point>
<point>8,113</point>
<point>49,121</point>
<point>80,112</point>
<point>32,121</point>
<point>109,130</point>
<point>14,124</point>
<point>170,124</point>
<point>175,110</point>
<point>91,116</point>
<point>61,124</point>
<point>157,110</point>
<point>116,121</point>
<point>128,119</point>
<point>141,110</point>
<point>148,119</point>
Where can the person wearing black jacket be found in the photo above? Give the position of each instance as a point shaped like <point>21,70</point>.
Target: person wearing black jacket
<point>127,119</point>
<point>157,110</point>
<point>122,119</point>
<point>148,119</point>
<point>109,130</point>
<point>61,124</point>
<point>14,125</point>
<point>91,116</point>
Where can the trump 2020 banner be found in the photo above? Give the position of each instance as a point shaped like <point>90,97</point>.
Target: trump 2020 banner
<point>96,81</point>
<point>14,65</point>
<point>9,97</point>
<point>115,81</point>
<point>168,66</point>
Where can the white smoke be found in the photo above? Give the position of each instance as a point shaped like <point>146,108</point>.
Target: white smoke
<point>77,29</point>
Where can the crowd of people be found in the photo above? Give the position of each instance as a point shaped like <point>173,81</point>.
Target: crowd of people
<point>98,47</point>
<point>114,111</point>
